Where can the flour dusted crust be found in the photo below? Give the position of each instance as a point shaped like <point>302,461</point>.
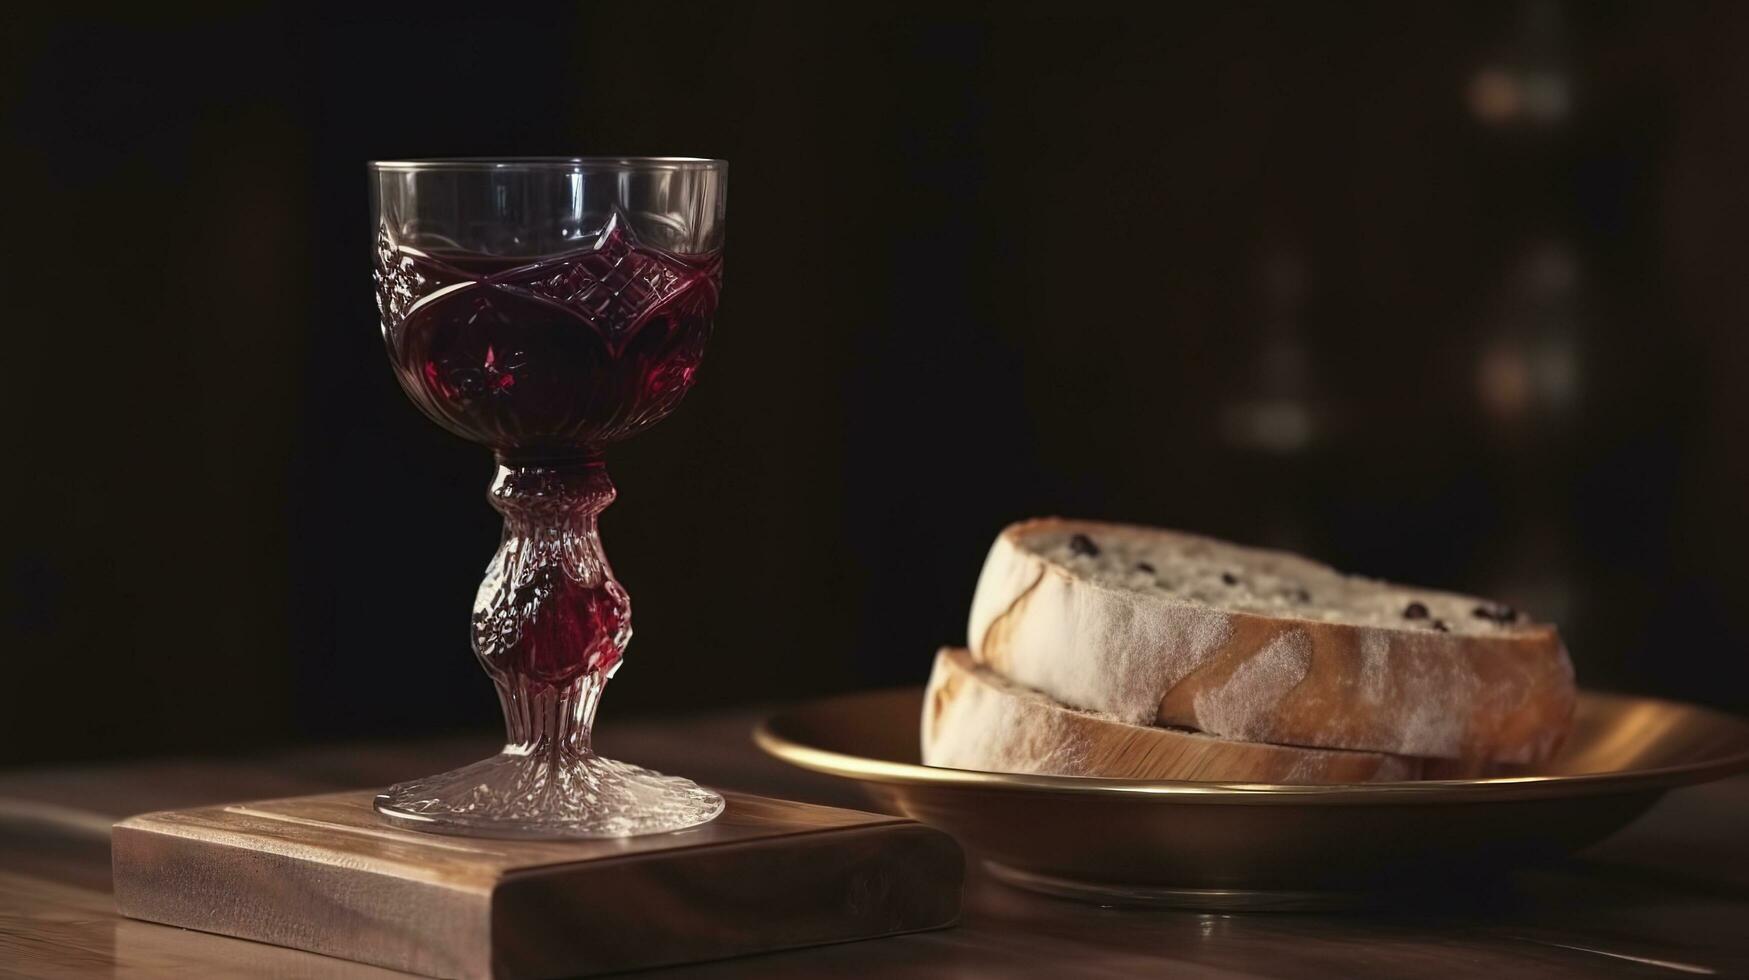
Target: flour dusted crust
<point>1156,627</point>
<point>974,719</point>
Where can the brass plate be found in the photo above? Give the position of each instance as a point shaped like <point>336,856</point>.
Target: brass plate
<point>1242,845</point>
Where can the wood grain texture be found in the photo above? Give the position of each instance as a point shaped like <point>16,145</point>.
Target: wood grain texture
<point>323,873</point>
<point>1672,889</point>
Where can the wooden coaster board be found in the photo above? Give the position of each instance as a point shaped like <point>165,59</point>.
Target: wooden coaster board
<point>323,873</point>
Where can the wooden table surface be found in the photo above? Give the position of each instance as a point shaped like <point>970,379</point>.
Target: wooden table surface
<point>1668,897</point>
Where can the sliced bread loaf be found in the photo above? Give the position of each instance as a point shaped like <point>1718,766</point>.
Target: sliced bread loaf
<point>975,719</point>
<point>1154,626</point>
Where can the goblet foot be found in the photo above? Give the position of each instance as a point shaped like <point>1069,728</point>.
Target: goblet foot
<point>528,795</point>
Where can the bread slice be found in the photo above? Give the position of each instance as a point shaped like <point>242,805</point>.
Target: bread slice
<point>975,719</point>
<point>1154,626</point>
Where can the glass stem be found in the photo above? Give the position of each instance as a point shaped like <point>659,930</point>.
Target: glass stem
<point>550,621</point>
<point>548,722</point>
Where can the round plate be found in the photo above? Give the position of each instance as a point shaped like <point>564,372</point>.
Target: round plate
<point>1243,845</point>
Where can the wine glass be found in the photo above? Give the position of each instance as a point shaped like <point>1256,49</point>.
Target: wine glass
<point>547,308</point>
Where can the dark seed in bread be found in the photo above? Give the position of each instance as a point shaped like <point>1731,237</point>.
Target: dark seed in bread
<point>1081,544</point>
<point>1143,566</point>
<point>1229,578</point>
<point>1415,610</point>
<point>1439,625</point>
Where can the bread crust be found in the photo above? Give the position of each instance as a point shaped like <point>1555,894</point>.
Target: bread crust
<point>1153,659</point>
<point>972,719</point>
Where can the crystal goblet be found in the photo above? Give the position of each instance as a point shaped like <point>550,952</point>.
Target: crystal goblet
<point>547,308</point>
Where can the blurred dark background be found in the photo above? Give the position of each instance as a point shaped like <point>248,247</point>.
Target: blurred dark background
<point>1452,293</point>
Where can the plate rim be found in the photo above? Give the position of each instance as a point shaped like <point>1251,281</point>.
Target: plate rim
<point>772,741</point>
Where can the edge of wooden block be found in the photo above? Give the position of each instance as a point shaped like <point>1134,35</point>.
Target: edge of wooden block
<point>816,888</point>
<point>291,900</point>
<point>698,901</point>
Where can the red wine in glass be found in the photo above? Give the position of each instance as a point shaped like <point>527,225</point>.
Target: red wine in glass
<point>556,358</point>
<point>513,328</point>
